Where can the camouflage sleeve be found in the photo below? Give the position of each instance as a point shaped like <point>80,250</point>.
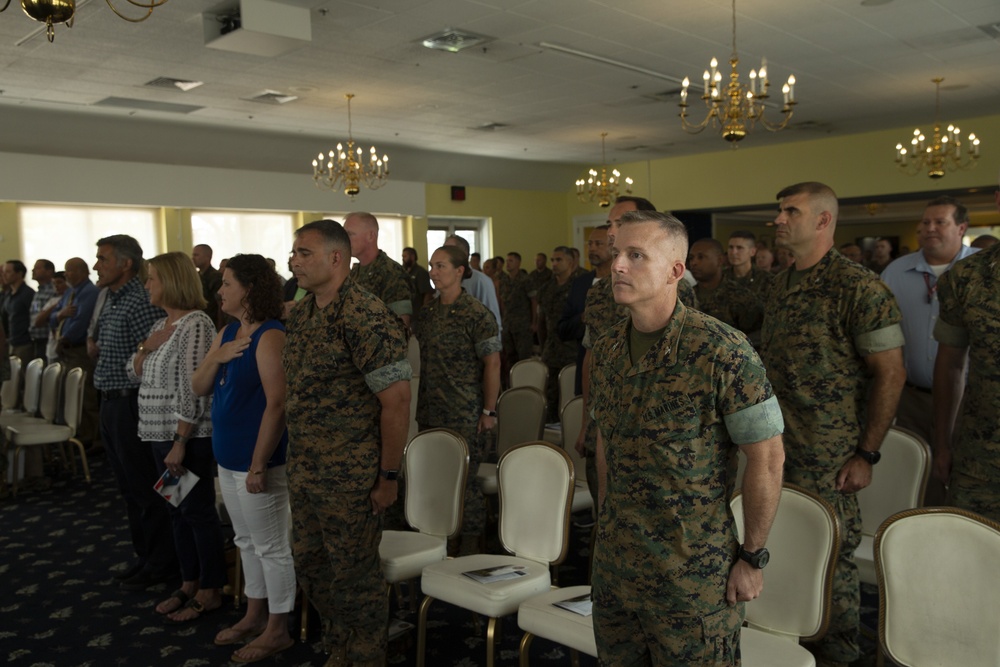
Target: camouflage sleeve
<point>742,381</point>
<point>875,318</point>
<point>380,379</point>
<point>755,423</point>
<point>950,327</point>
<point>377,342</point>
<point>401,307</point>
<point>485,332</point>
<point>397,291</point>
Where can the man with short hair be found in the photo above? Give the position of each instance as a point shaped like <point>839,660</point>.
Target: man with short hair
<point>882,255</point>
<point>70,321</point>
<point>984,241</point>
<point>556,352</point>
<point>675,395</point>
<point>832,345</point>
<point>913,280</point>
<point>42,273</point>
<point>968,335</point>
<point>123,324</point>
<point>764,259</point>
<point>376,271</point>
<point>517,312</point>
<point>741,269</point>
<point>725,300</point>
<point>852,251</point>
<point>478,285</point>
<point>347,424</point>
<point>540,276</point>
<point>418,279</point>
<point>18,307</point>
<point>211,281</point>
<point>571,325</point>
<point>475,261</point>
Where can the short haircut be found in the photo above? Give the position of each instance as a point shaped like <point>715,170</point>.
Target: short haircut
<point>961,212</point>
<point>715,245</point>
<point>563,249</point>
<point>457,259</point>
<point>462,243</point>
<point>602,228</point>
<point>263,299</point>
<point>668,223</point>
<point>19,267</point>
<point>815,190</point>
<point>61,275</point>
<point>848,245</point>
<point>47,265</point>
<point>743,234</point>
<point>181,284</point>
<point>640,203</point>
<point>207,248</point>
<point>476,255</point>
<point>515,254</point>
<point>126,248</point>
<point>414,251</point>
<point>364,217</point>
<point>575,252</point>
<point>333,233</point>
<point>542,255</point>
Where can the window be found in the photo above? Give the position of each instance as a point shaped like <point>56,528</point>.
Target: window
<point>472,230</point>
<point>58,233</point>
<point>232,232</point>
<point>390,232</point>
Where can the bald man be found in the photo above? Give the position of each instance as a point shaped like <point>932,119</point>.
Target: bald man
<point>376,271</point>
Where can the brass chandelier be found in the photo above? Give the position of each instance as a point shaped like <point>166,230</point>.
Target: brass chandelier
<point>598,186</point>
<point>51,12</point>
<point>737,108</point>
<point>344,167</point>
<point>944,151</point>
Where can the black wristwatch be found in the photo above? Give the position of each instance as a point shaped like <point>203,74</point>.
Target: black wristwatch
<point>390,475</point>
<point>758,559</point>
<point>871,457</point>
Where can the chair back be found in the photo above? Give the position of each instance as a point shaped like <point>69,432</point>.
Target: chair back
<point>567,385</point>
<point>520,417</point>
<point>48,404</point>
<point>33,385</point>
<point>804,543</point>
<point>529,373</point>
<point>898,481</point>
<point>10,390</point>
<point>939,593</point>
<point>76,379</point>
<point>536,482</point>
<point>572,422</point>
<point>436,463</point>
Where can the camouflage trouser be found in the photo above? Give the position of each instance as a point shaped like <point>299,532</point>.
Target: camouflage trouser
<point>641,633</point>
<point>335,541</point>
<point>975,495</point>
<point>841,641</point>
<point>516,340</point>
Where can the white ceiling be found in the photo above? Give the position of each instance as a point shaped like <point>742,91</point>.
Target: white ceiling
<point>858,68</point>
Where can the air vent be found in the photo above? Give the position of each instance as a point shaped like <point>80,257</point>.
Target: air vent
<point>167,82</point>
<point>489,127</point>
<point>271,97</point>
<point>454,40</point>
<point>146,105</point>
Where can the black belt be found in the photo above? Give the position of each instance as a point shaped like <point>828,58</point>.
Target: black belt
<point>919,388</point>
<point>118,393</point>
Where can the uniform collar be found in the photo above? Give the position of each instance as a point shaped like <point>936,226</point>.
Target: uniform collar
<point>663,353</point>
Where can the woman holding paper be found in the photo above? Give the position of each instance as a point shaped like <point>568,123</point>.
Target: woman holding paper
<point>177,424</point>
<point>244,374</point>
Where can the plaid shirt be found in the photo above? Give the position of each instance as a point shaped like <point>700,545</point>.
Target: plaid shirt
<point>42,296</point>
<point>124,322</point>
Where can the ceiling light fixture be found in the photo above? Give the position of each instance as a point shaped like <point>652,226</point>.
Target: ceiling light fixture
<point>738,107</point>
<point>944,150</point>
<point>341,168</point>
<point>601,188</point>
<point>51,12</point>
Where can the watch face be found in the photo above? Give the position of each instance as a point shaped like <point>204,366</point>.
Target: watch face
<point>763,557</point>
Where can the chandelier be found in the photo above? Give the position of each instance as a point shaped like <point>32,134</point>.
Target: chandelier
<point>943,151</point>
<point>600,187</point>
<point>738,107</point>
<point>344,167</point>
<point>51,12</point>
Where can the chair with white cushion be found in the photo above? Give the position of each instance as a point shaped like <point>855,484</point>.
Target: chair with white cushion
<point>939,593</point>
<point>529,373</point>
<point>572,422</point>
<point>536,492</point>
<point>47,404</point>
<point>898,483</point>
<point>436,463</point>
<point>10,390</point>
<point>567,385</point>
<point>795,604</point>
<point>539,617</point>
<point>520,418</point>
<point>31,395</point>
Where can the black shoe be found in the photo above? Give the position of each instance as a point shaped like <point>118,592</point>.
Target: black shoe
<point>132,570</point>
<point>143,580</point>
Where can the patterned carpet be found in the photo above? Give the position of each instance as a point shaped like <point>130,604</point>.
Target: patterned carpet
<point>60,547</point>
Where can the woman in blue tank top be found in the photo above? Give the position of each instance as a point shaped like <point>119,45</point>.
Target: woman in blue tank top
<point>244,374</point>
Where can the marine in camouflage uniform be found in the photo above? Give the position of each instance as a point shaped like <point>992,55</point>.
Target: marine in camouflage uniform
<point>340,360</point>
<point>757,281</point>
<point>825,329</point>
<point>733,304</point>
<point>455,340</point>
<point>969,323</point>
<point>517,318</point>
<point>671,412</point>
<point>556,352</point>
<point>387,279</point>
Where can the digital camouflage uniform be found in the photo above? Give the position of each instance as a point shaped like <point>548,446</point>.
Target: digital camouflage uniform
<point>336,360</point>
<point>757,281</point>
<point>517,318</point>
<point>733,304</point>
<point>815,337</point>
<point>556,352</point>
<point>666,537</point>
<point>454,339</point>
<point>388,280</point>
<point>539,278</point>
<point>970,318</point>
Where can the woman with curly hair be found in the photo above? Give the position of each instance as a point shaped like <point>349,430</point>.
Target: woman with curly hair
<point>243,372</point>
